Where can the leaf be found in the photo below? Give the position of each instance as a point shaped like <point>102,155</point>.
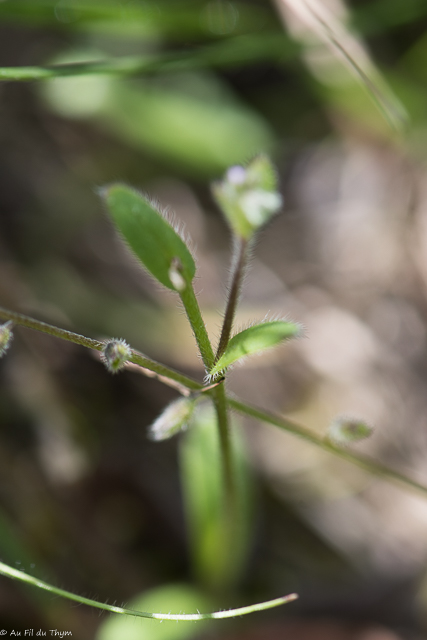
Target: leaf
<point>173,419</point>
<point>218,561</point>
<point>253,340</point>
<point>150,236</point>
<point>172,597</point>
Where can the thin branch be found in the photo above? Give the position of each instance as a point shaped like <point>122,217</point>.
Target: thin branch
<point>192,309</point>
<point>165,373</point>
<point>233,296</point>
<point>137,358</point>
<point>234,51</point>
<point>10,572</point>
<point>366,463</point>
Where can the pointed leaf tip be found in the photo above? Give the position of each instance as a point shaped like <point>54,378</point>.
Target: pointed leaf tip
<point>150,236</point>
<point>254,340</point>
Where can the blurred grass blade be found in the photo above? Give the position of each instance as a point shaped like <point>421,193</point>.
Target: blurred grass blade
<point>178,19</point>
<point>190,119</point>
<point>218,561</point>
<point>235,51</point>
<point>150,236</point>
<point>254,340</point>
<point>312,23</point>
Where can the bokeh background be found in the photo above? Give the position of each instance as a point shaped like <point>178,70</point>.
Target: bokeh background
<point>86,501</point>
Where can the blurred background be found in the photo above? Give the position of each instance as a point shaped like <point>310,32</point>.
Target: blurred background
<point>86,501</point>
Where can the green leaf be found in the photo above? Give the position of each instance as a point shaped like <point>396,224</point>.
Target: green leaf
<point>253,340</point>
<point>172,597</point>
<point>173,419</point>
<point>150,236</point>
<point>218,561</point>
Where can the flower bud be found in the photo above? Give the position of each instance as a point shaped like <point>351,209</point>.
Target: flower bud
<point>344,431</point>
<point>6,336</point>
<point>248,196</point>
<point>115,354</point>
<point>174,418</point>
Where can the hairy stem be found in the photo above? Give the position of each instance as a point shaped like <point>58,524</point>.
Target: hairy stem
<point>220,402</point>
<point>194,315</point>
<point>233,296</point>
<point>10,572</point>
<point>366,463</point>
<point>164,373</point>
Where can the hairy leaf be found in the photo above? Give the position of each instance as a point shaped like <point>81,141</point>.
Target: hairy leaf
<point>253,340</point>
<point>174,418</point>
<point>150,236</point>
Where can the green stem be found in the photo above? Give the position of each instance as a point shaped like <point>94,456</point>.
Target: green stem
<point>166,373</point>
<point>137,357</point>
<point>238,50</point>
<point>192,309</point>
<point>233,297</point>
<point>366,463</point>
<point>10,572</point>
<point>194,315</point>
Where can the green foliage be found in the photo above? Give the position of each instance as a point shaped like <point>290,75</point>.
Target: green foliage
<point>170,598</point>
<point>218,561</point>
<point>254,340</point>
<point>176,417</point>
<point>193,120</point>
<point>150,236</point>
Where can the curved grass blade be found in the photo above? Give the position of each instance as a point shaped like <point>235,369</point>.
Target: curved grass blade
<point>254,340</point>
<point>10,572</point>
<point>319,21</point>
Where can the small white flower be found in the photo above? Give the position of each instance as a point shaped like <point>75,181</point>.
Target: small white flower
<point>259,205</point>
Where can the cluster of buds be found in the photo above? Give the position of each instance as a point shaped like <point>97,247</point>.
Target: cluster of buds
<point>248,196</point>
